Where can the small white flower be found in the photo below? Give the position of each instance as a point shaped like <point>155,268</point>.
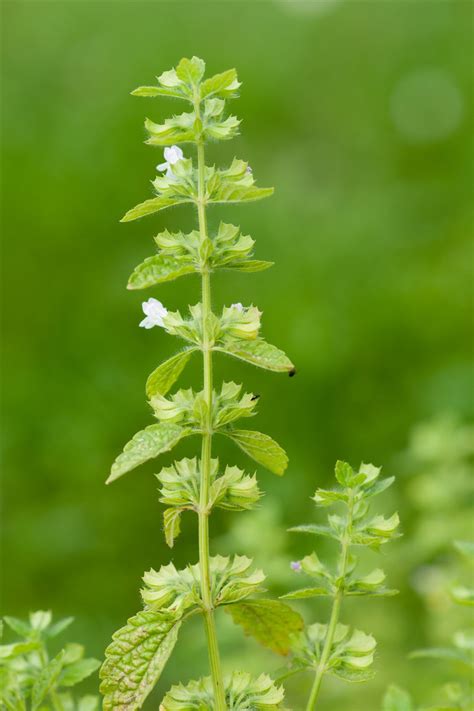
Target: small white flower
<point>154,312</point>
<point>238,307</point>
<point>172,155</point>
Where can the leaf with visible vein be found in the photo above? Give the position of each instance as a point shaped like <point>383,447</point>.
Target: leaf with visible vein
<point>158,269</point>
<point>164,377</point>
<point>135,660</point>
<point>146,444</point>
<point>248,265</point>
<point>259,353</point>
<point>262,448</point>
<point>172,524</point>
<point>230,192</point>
<point>271,622</point>
<point>305,593</point>
<point>150,206</point>
<point>316,529</point>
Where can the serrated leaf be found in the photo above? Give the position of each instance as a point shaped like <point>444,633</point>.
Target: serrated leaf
<point>397,699</point>
<point>172,525</point>
<point>151,206</point>
<point>223,85</point>
<point>76,672</point>
<point>135,660</point>
<point>259,353</point>
<point>164,377</point>
<point>159,269</point>
<point>249,265</point>
<point>146,444</point>
<point>46,680</point>
<point>305,593</point>
<point>262,448</point>
<point>271,622</point>
<point>229,192</point>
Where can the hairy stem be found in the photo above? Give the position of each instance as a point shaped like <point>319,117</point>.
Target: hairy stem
<point>206,453</point>
<point>335,611</point>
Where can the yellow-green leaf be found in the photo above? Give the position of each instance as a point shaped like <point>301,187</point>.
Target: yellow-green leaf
<point>136,658</point>
<point>271,622</point>
<point>150,206</point>
<point>158,269</point>
<point>262,448</point>
<point>259,353</point>
<point>164,377</point>
<point>146,444</point>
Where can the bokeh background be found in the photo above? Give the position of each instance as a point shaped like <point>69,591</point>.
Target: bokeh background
<point>360,114</point>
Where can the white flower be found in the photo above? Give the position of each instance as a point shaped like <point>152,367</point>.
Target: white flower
<point>172,155</point>
<point>238,306</point>
<point>154,312</point>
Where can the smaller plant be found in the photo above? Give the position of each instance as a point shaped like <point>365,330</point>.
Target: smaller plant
<point>30,678</point>
<point>457,695</point>
<point>335,648</point>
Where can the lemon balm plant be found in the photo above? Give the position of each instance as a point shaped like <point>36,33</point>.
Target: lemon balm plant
<point>140,650</point>
<point>334,648</point>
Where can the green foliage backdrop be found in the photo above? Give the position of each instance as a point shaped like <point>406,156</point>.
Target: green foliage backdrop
<point>360,114</point>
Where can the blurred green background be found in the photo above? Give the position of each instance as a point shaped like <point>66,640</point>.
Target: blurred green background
<point>360,115</point>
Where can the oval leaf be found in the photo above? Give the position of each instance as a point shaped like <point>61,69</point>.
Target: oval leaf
<point>135,659</point>
<point>158,269</point>
<point>271,622</point>
<point>145,445</point>
<point>259,353</point>
<point>164,377</point>
<point>262,448</point>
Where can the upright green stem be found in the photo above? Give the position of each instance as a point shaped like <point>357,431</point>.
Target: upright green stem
<point>206,453</point>
<point>336,608</point>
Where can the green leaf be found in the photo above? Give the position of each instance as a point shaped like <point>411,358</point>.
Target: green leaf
<point>466,548</point>
<point>305,593</point>
<point>249,265</point>
<point>158,269</point>
<point>271,622</point>
<point>229,192</point>
<point>46,680</point>
<point>172,524</point>
<point>76,672</point>
<point>316,529</point>
<point>191,71</point>
<point>150,91</point>
<point>463,595</point>
<point>262,448</point>
<point>19,626</point>
<point>59,627</point>
<point>8,651</point>
<point>447,654</point>
<point>397,699</point>
<point>88,703</point>
<point>223,86</point>
<point>164,377</point>
<point>146,444</point>
<point>135,659</point>
<point>150,206</point>
<point>259,353</point>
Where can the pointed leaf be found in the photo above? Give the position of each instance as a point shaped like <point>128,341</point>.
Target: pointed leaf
<point>316,529</point>
<point>19,626</point>
<point>150,206</point>
<point>224,85</point>
<point>76,672</point>
<point>230,192</point>
<point>135,659</point>
<point>306,592</point>
<point>164,377</point>
<point>259,353</point>
<point>46,680</point>
<point>146,444</point>
<point>172,525</point>
<point>149,91</point>
<point>158,269</point>
<point>262,448</point>
<point>249,265</point>
<point>271,622</point>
